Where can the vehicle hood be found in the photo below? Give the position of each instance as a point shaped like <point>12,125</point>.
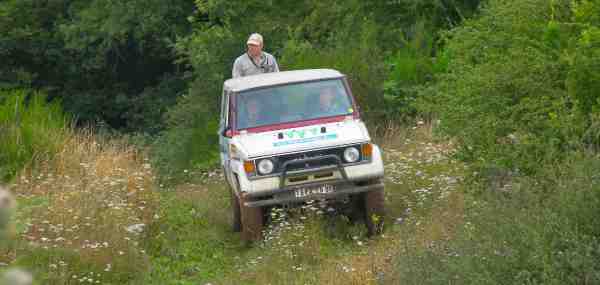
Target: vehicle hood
<point>302,138</point>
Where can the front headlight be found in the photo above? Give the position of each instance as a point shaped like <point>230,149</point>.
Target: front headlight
<point>265,166</point>
<point>351,154</point>
<point>233,152</point>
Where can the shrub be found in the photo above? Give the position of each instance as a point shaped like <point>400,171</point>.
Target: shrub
<point>412,66</point>
<point>583,79</point>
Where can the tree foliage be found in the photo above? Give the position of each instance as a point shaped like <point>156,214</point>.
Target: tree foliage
<point>98,56</point>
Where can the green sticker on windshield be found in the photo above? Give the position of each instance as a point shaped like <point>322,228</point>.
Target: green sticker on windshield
<point>350,110</point>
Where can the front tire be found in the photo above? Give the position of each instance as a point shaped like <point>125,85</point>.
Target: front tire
<point>252,221</point>
<point>374,211</point>
<point>236,223</point>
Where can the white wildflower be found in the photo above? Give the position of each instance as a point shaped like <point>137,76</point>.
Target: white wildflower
<point>135,229</point>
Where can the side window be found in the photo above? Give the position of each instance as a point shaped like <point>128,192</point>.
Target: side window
<point>224,109</point>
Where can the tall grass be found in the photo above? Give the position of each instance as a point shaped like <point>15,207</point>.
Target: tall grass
<point>30,128</point>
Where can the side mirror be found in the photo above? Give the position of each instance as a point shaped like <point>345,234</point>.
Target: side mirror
<point>227,133</point>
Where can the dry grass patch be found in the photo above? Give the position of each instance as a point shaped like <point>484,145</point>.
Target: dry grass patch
<point>90,205</point>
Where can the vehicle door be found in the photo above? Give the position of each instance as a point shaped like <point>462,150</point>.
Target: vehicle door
<point>224,132</point>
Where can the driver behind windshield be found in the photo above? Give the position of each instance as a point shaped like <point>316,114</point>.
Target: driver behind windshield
<point>331,103</point>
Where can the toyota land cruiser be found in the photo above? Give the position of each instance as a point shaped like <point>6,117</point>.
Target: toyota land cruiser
<point>289,137</point>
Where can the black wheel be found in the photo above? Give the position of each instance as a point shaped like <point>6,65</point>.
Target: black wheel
<point>374,211</point>
<point>236,223</point>
<point>236,220</point>
<point>252,221</point>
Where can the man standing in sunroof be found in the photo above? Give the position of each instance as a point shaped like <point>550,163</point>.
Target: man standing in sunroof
<point>255,61</point>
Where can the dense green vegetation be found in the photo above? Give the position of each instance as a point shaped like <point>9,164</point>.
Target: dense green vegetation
<point>509,96</point>
<point>515,83</point>
<point>109,62</point>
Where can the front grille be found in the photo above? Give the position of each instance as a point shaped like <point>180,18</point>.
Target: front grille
<point>303,165</point>
<point>326,161</point>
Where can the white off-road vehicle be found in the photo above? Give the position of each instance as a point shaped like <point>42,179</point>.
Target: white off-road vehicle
<point>289,137</point>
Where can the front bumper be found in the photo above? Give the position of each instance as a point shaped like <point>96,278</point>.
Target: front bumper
<point>334,177</point>
<point>286,195</point>
<point>355,173</point>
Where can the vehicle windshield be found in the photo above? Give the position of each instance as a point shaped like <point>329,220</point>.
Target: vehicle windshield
<point>291,103</point>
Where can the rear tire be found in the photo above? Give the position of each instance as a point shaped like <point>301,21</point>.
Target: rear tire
<point>252,221</point>
<point>374,211</point>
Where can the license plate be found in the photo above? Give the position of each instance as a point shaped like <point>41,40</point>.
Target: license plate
<point>309,191</point>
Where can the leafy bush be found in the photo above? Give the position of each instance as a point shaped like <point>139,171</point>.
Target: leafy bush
<point>504,96</point>
<point>30,128</point>
<point>145,112</point>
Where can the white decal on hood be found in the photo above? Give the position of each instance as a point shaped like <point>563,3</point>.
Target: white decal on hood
<point>306,140</point>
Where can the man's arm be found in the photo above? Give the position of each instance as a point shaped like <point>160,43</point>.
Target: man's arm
<point>237,69</point>
<point>275,65</point>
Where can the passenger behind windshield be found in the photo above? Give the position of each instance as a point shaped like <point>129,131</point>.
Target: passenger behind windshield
<point>292,103</point>
<point>330,103</point>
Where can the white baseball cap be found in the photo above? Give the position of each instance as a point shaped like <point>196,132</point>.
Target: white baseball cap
<point>255,39</point>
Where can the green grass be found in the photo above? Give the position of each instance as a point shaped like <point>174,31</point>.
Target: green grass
<point>190,242</point>
<point>65,266</point>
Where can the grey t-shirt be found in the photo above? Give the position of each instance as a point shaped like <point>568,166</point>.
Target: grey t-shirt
<point>244,66</point>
